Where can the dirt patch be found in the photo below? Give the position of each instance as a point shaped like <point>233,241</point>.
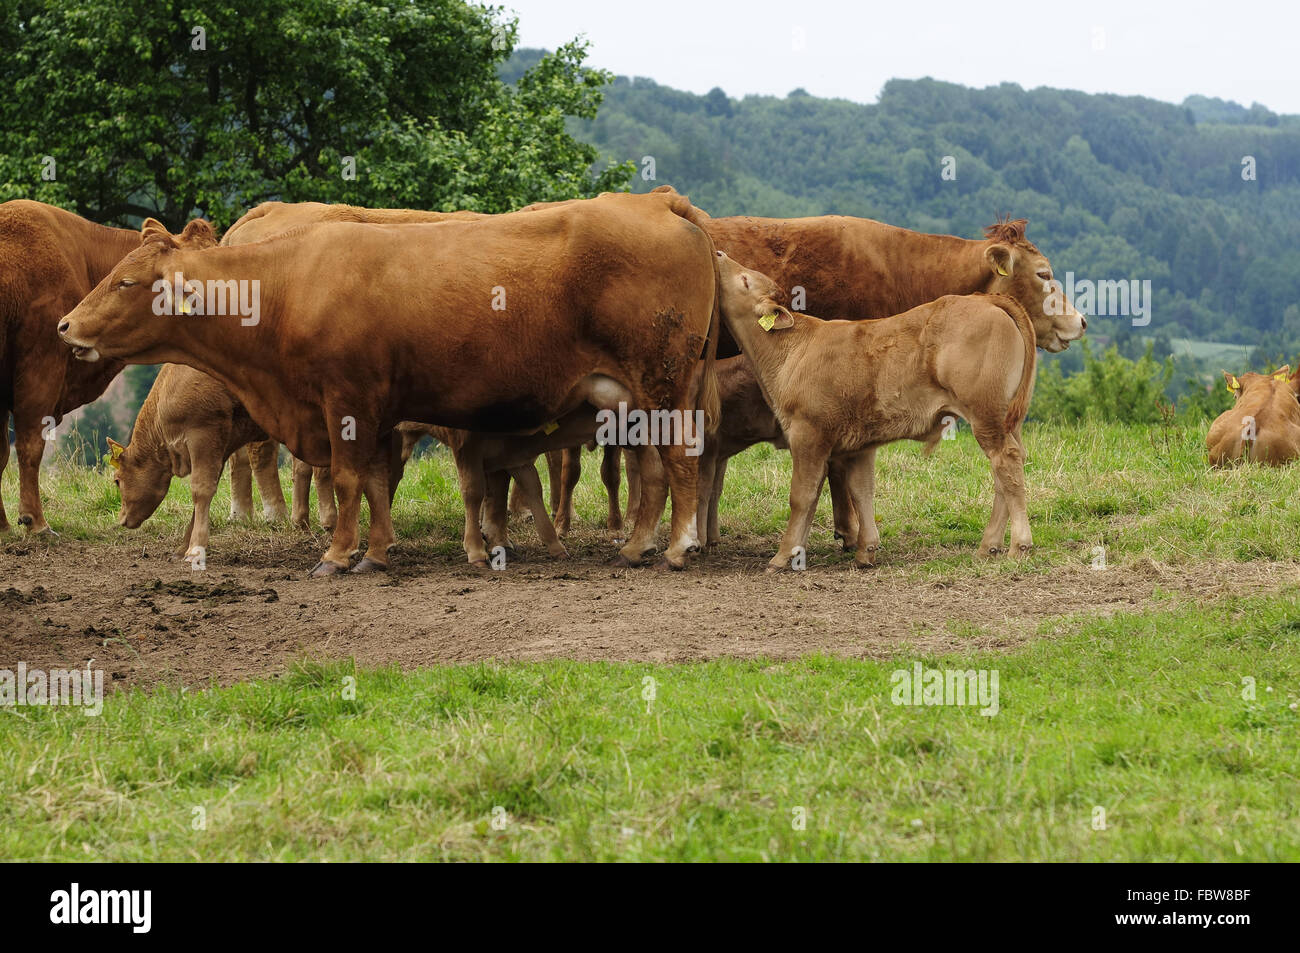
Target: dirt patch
<point>147,620</point>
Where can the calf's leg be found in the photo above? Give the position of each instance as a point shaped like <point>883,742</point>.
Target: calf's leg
<point>301,494</point>
<point>264,457</point>
<point>810,454</point>
<point>326,508</point>
<point>204,476</point>
<point>530,487</point>
<point>241,485</point>
<point>610,475</point>
<point>858,474</point>
<point>571,473</point>
<point>842,508</point>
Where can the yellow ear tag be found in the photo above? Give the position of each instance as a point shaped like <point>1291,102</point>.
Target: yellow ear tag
<point>767,322</point>
<point>550,428</point>
<point>184,307</point>
<point>1233,386</point>
<point>1279,377</point>
<point>1003,272</point>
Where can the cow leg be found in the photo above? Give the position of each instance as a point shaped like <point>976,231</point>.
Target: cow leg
<point>846,519</point>
<point>4,462</point>
<point>30,444</point>
<point>496,511</point>
<point>204,476</point>
<point>473,488</point>
<point>263,456</point>
<point>326,508</point>
<point>712,529</point>
<point>1010,465</point>
<point>810,454</point>
<point>654,494</point>
<point>301,494</point>
<point>350,469</point>
<point>241,485</point>
<point>611,473</point>
<point>378,478</point>
<point>530,488</point>
<point>992,441</point>
<point>633,464</point>
<point>708,471</point>
<point>571,473</point>
<point>858,474</point>
<point>683,478</point>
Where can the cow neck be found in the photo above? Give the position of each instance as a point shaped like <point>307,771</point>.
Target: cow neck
<point>767,351</point>
<point>953,266</point>
<point>147,436</point>
<point>208,343</point>
<point>105,247</point>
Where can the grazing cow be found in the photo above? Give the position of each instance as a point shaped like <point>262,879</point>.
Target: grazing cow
<point>1264,423</point>
<point>498,325</point>
<point>855,268</point>
<point>841,389</point>
<point>188,426</point>
<point>49,260</point>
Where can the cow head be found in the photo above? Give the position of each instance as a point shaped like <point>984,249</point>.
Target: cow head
<point>117,320</point>
<point>1263,387</point>
<point>1019,270</point>
<point>141,479</point>
<point>751,296</point>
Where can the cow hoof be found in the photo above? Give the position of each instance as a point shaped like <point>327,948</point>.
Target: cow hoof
<point>479,563</point>
<point>369,565</point>
<point>622,562</point>
<point>992,551</point>
<point>1024,550</point>
<point>559,553</point>
<point>861,564</point>
<point>44,532</point>
<point>845,544</point>
<point>667,564</point>
<point>771,570</point>
<point>324,568</point>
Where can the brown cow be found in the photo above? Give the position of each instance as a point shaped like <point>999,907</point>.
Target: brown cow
<point>187,427</point>
<point>841,389</point>
<point>856,268</point>
<point>49,260</point>
<point>495,325</point>
<point>1264,423</point>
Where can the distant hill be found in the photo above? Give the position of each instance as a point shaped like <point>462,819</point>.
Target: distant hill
<point>1114,187</point>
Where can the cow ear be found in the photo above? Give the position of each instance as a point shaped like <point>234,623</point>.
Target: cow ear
<point>155,231</point>
<point>1234,385</point>
<point>199,232</point>
<point>999,259</point>
<point>777,319</point>
<point>1282,373</point>
<point>115,451</point>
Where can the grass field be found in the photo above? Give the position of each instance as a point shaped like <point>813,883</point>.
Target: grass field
<point>1160,731</point>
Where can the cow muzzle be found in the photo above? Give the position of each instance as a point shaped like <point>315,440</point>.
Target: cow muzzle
<point>80,350</point>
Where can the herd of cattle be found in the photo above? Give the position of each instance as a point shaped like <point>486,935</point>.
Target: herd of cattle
<point>511,336</point>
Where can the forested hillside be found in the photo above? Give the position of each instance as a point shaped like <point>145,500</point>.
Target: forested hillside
<point>1114,187</point>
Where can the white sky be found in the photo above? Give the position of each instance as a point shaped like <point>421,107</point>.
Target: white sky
<point>1245,51</point>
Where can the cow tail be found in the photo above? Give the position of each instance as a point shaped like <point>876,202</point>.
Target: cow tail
<point>1020,400</point>
<point>710,396</point>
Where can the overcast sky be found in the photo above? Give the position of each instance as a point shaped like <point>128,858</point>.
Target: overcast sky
<point>1246,51</point>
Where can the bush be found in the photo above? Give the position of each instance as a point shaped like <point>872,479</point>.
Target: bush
<point>1110,387</point>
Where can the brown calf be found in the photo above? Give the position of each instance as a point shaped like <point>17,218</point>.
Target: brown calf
<point>841,389</point>
<point>1263,425</point>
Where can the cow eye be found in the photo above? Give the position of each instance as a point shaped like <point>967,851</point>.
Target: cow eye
<point>125,283</point>
<point>1045,275</point>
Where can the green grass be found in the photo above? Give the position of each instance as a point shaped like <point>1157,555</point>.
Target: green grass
<point>1141,492</point>
<point>1140,713</point>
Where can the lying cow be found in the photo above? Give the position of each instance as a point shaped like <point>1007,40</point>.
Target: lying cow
<point>856,268</point>
<point>1264,423</point>
<point>611,301</point>
<point>49,260</point>
<point>841,389</point>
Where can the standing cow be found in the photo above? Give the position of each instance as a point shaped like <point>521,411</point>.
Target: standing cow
<point>498,325</point>
<point>841,267</point>
<point>49,260</point>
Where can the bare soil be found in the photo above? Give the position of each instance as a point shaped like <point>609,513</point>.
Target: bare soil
<point>148,620</point>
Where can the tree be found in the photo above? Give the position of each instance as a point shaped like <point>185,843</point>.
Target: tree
<point>126,108</point>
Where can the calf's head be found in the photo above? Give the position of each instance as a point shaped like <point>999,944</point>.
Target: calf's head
<point>1019,270</point>
<point>117,320</point>
<point>1260,389</point>
<point>141,479</point>
<point>750,295</point>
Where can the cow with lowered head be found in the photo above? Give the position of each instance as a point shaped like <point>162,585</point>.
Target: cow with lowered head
<point>1264,423</point>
